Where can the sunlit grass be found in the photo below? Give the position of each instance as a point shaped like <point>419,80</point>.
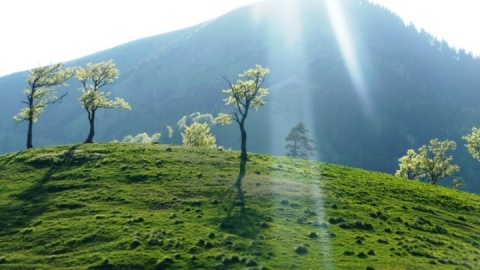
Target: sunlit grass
<point>138,206</point>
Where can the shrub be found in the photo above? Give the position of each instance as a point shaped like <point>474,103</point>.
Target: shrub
<point>356,225</point>
<point>251,262</point>
<point>135,243</point>
<point>198,135</point>
<point>301,250</point>
<point>164,263</point>
<point>383,241</point>
<point>142,138</point>
<point>362,255</point>
<point>333,220</point>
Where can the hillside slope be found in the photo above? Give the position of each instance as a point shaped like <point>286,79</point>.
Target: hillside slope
<point>367,86</point>
<point>130,206</point>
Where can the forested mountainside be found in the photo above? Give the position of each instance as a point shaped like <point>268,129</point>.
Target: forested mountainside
<point>367,86</point>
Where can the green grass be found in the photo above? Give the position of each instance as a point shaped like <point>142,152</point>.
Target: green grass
<point>131,206</point>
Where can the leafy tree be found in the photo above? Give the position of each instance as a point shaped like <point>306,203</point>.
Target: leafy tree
<point>142,138</point>
<point>93,77</point>
<point>40,92</point>
<point>473,143</point>
<point>246,92</point>
<point>198,134</point>
<point>409,166</point>
<point>301,145</point>
<point>430,164</point>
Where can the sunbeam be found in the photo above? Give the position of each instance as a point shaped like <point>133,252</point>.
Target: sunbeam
<point>290,46</point>
<point>344,40</point>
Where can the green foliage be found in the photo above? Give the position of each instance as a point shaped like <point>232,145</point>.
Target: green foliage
<point>115,206</point>
<point>169,131</point>
<point>301,145</point>
<point>457,183</point>
<point>93,77</point>
<point>430,164</point>
<point>41,92</point>
<point>198,134</point>
<point>410,166</point>
<point>248,91</point>
<point>224,118</point>
<point>473,143</point>
<point>196,117</point>
<point>142,138</point>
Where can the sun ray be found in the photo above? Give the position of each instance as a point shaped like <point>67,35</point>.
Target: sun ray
<point>350,57</point>
<point>289,45</point>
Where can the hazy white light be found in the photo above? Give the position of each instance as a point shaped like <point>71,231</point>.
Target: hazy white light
<point>347,48</point>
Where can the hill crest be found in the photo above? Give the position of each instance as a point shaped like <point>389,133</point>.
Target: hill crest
<point>418,88</point>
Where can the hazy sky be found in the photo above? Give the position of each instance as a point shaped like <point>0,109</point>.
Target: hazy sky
<point>456,21</point>
<point>39,32</point>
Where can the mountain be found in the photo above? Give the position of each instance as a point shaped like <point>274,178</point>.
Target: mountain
<point>367,86</point>
<point>139,206</point>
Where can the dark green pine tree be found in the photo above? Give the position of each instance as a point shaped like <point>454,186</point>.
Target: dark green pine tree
<point>300,145</point>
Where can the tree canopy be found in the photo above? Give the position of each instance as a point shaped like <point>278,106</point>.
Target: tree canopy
<point>431,163</point>
<point>473,143</point>
<point>300,146</point>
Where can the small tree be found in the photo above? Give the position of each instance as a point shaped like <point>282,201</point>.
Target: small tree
<point>473,143</point>
<point>301,145</point>
<point>41,92</point>
<point>198,134</point>
<point>410,166</point>
<point>93,77</point>
<point>430,164</point>
<point>246,92</point>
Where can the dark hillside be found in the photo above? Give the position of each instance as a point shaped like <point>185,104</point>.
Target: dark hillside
<point>138,206</point>
<point>366,86</point>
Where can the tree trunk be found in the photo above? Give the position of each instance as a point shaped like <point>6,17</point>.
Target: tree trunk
<point>91,119</point>
<point>295,151</point>
<point>29,134</point>
<point>243,155</point>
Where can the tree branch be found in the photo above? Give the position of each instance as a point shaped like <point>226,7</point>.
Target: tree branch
<point>60,99</point>
<point>237,99</point>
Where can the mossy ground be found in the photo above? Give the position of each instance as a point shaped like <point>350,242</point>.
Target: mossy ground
<point>138,206</point>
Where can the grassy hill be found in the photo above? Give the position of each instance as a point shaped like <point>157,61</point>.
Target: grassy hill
<point>130,206</point>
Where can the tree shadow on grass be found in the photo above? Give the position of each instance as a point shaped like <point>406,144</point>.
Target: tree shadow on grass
<point>32,202</point>
<point>9,158</point>
<point>241,219</point>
